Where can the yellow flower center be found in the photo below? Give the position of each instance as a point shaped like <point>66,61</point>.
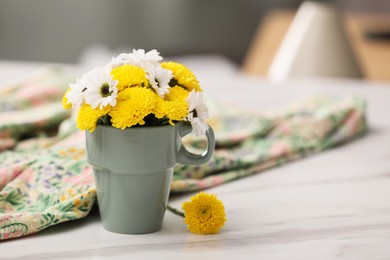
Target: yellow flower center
<point>205,213</point>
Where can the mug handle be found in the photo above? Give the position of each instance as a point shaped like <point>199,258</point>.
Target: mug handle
<point>183,156</point>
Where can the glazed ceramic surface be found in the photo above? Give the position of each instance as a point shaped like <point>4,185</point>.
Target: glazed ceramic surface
<point>133,170</point>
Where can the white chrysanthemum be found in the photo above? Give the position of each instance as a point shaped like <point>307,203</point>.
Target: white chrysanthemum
<point>141,57</point>
<point>159,79</point>
<point>121,59</point>
<point>137,57</point>
<point>76,95</point>
<point>197,113</point>
<point>101,89</point>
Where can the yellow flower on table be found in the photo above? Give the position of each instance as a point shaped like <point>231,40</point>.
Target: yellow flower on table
<point>204,214</point>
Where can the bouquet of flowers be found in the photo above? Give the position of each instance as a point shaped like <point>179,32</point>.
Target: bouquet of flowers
<point>137,89</point>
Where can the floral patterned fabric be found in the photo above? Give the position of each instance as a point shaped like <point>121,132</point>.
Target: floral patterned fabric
<point>45,179</point>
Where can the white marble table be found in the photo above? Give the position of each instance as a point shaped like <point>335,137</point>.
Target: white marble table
<point>332,205</point>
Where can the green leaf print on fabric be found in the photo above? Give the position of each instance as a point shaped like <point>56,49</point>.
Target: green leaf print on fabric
<point>14,198</point>
<point>10,227</point>
<point>306,128</point>
<point>47,220</point>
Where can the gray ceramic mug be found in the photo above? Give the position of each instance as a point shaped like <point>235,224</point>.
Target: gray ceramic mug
<point>133,170</point>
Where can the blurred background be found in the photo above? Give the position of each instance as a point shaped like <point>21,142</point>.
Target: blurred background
<point>246,32</point>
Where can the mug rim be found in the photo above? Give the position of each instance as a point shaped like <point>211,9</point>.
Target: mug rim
<point>140,128</point>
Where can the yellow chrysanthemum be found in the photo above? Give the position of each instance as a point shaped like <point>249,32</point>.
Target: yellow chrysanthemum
<point>87,117</point>
<point>124,94</point>
<point>129,76</point>
<point>177,93</point>
<point>173,110</point>
<point>65,102</point>
<point>132,109</point>
<point>174,106</point>
<point>204,214</point>
<point>184,77</point>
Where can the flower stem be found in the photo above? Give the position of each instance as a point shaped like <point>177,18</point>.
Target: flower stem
<point>175,211</point>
